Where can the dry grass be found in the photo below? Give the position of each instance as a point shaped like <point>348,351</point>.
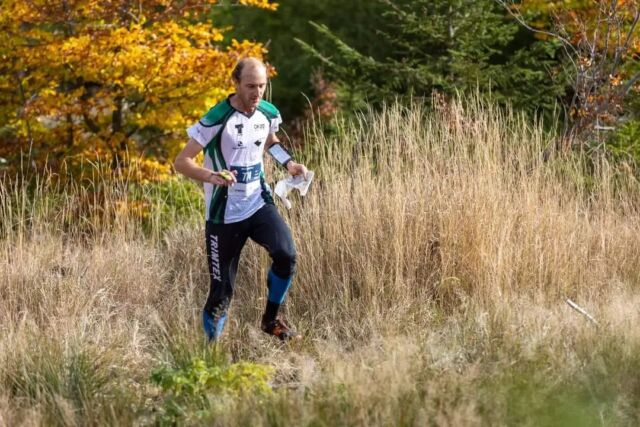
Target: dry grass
<point>435,253</point>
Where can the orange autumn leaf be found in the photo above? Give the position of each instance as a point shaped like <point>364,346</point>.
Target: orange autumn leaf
<point>85,78</point>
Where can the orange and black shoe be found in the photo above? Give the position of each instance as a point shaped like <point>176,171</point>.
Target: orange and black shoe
<point>279,329</point>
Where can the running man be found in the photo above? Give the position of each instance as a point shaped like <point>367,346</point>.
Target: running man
<point>239,204</point>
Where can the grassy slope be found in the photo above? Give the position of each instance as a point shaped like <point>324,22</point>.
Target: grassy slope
<point>435,254</point>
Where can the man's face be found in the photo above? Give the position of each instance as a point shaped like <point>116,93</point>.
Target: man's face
<point>251,87</point>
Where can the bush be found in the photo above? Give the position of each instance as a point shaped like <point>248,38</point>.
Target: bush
<point>625,143</point>
<point>193,388</point>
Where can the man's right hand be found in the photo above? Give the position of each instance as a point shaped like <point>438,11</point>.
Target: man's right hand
<point>223,178</point>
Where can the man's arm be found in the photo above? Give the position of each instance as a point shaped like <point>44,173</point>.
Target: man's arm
<point>292,167</point>
<point>186,165</point>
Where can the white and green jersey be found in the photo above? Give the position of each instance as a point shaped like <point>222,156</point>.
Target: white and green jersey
<point>233,140</point>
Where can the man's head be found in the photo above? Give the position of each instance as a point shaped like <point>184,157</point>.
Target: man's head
<point>250,79</point>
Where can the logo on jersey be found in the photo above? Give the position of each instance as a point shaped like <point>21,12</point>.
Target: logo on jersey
<point>239,143</point>
<point>259,126</point>
<point>258,142</point>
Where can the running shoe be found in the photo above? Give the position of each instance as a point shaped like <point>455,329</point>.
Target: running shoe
<point>279,329</point>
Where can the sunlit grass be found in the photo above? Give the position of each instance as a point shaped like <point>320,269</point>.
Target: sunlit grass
<point>436,251</point>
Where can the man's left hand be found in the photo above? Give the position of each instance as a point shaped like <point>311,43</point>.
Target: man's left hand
<point>296,169</point>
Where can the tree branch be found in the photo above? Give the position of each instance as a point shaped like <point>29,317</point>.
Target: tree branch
<point>628,38</point>
<point>627,87</point>
<point>93,127</point>
<point>23,99</point>
<point>522,22</point>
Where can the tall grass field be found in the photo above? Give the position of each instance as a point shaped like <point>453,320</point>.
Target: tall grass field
<point>437,249</point>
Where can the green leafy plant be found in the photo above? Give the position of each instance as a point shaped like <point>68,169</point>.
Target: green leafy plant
<point>190,390</point>
<point>199,378</point>
<point>626,141</point>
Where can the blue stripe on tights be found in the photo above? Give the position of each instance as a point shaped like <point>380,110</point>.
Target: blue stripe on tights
<point>212,327</point>
<point>278,287</point>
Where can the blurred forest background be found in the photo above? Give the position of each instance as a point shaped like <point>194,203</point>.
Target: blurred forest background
<point>116,83</point>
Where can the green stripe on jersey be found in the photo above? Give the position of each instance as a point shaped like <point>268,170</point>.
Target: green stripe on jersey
<point>268,109</point>
<point>218,114</point>
<point>219,196</point>
<point>218,205</point>
<point>266,192</point>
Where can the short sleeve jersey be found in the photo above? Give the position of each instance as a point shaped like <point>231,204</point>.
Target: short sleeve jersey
<point>235,141</point>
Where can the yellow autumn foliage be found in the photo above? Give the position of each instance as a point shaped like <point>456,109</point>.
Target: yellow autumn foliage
<point>82,79</point>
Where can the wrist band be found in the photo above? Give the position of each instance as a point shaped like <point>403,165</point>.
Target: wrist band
<point>280,154</point>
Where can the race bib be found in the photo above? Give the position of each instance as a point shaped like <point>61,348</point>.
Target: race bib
<point>248,179</point>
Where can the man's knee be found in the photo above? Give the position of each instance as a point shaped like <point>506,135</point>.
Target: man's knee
<point>284,262</point>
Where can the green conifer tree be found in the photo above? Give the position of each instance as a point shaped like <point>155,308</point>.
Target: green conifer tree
<point>445,45</point>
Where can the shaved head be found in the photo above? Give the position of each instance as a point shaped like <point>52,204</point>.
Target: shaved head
<point>250,80</point>
<point>249,63</point>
